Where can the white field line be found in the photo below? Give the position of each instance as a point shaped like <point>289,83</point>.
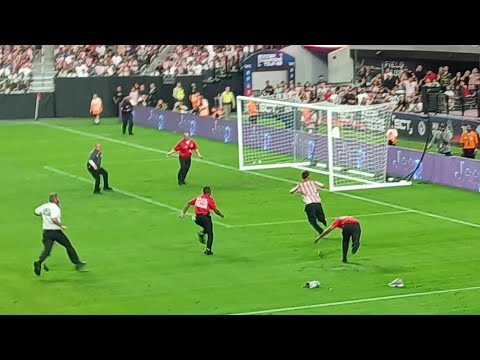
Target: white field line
<point>358,301</point>
<point>361,198</point>
<point>304,220</point>
<point>123,192</point>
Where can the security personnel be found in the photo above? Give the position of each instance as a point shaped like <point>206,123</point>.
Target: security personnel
<point>117,99</point>
<point>203,204</point>
<point>185,148</point>
<point>94,167</point>
<point>127,116</point>
<point>469,142</point>
<point>227,102</point>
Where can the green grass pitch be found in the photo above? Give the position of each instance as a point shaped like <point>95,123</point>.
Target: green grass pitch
<point>143,259</point>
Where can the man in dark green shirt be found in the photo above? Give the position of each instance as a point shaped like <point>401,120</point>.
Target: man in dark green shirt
<point>442,138</point>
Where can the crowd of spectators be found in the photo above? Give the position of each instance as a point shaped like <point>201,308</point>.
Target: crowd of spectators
<point>196,59</point>
<point>103,60</point>
<point>15,68</point>
<point>402,89</point>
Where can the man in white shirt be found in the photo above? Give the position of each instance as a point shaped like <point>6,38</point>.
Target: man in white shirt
<point>53,232</point>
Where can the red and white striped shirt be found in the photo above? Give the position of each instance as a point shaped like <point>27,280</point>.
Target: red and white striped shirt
<point>308,190</point>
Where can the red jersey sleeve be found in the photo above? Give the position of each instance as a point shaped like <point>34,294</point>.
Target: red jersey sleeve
<point>177,147</point>
<point>211,204</point>
<point>192,202</point>
<point>194,145</point>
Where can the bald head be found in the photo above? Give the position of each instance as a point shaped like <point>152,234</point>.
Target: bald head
<point>98,147</point>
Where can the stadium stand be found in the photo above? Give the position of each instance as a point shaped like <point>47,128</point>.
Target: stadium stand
<point>103,60</point>
<point>15,68</point>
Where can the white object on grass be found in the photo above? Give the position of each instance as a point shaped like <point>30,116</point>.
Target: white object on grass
<point>312,284</point>
<point>396,283</point>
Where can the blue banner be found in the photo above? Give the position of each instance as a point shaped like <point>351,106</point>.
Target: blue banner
<point>267,60</point>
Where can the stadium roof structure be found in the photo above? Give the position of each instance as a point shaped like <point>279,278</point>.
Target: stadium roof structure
<point>470,53</point>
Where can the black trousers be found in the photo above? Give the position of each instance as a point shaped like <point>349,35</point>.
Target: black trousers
<point>205,222</point>
<point>469,153</point>
<point>52,236</point>
<point>350,231</point>
<point>315,213</point>
<point>184,167</point>
<point>127,119</point>
<point>96,175</point>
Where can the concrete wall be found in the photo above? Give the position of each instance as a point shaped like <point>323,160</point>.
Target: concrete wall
<point>308,66</point>
<point>340,66</point>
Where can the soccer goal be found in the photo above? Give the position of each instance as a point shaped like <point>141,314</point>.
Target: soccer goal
<point>347,143</point>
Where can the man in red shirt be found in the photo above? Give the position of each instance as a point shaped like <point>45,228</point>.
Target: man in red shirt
<point>350,229</point>
<point>203,204</point>
<point>185,147</point>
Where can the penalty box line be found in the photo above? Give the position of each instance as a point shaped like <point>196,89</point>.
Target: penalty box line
<point>358,301</point>
<point>361,198</point>
<point>123,192</point>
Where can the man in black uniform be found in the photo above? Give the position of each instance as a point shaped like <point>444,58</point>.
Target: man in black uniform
<point>95,169</point>
<point>117,98</point>
<point>127,116</point>
<point>152,97</point>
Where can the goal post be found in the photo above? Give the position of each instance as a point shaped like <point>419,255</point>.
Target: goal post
<point>346,143</point>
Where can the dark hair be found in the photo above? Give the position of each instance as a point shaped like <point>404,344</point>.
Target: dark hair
<point>52,196</point>
<point>207,190</point>
<point>305,174</point>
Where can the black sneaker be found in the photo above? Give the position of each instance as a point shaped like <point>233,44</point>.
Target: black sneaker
<point>97,192</point>
<point>45,267</point>
<point>131,134</point>
<point>201,237</point>
<point>107,189</point>
<point>208,252</point>
<point>37,268</point>
<point>80,265</point>
<point>355,248</point>
<point>344,260</point>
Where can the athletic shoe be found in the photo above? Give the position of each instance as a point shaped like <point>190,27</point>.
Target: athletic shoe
<point>80,265</point>
<point>107,189</point>
<point>355,247</point>
<point>37,268</point>
<point>201,237</point>
<point>344,260</point>
<point>396,283</point>
<point>208,252</point>
<point>97,192</point>
<point>45,267</point>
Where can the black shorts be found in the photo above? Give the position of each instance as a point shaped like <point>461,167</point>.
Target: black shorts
<point>315,212</point>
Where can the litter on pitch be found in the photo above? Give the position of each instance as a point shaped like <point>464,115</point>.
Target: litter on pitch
<point>312,284</point>
<point>398,283</point>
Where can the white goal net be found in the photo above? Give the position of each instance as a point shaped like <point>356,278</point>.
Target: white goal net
<point>347,143</point>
